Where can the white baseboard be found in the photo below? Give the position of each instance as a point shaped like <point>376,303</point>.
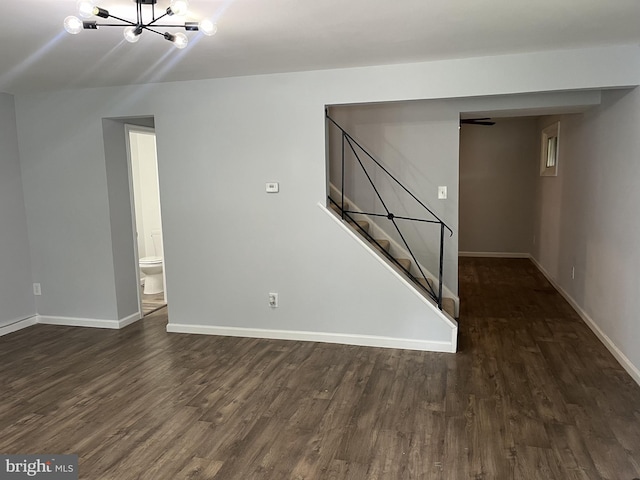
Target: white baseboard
<point>346,339</point>
<point>16,325</point>
<point>604,338</point>
<point>79,322</point>
<point>68,321</point>
<point>494,254</point>
<point>123,322</point>
<point>89,322</point>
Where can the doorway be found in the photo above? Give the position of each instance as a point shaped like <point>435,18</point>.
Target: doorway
<point>147,217</point>
<point>498,162</point>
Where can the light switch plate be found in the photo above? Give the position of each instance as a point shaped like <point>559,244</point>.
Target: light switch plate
<point>442,193</point>
<point>273,187</point>
<point>273,300</point>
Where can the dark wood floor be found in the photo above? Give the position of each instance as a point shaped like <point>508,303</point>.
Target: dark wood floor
<point>531,395</point>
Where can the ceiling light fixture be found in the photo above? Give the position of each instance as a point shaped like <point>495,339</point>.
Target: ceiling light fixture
<point>132,30</point>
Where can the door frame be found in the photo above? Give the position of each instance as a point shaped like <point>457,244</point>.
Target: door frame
<point>129,128</point>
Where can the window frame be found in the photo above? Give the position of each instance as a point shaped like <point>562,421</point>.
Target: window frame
<point>550,150</point>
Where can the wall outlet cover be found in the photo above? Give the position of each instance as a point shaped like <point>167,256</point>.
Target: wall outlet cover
<point>273,300</point>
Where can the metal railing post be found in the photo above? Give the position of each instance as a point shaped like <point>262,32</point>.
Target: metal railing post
<point>342,188</point>
<point>441,265</point>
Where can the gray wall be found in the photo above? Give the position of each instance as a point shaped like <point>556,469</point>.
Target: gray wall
<point>16,294</point>
<point>227,242</point>
<point>588,217</point>
<point>498,174</point>
<point>121,223</point>
<point>66,196</point>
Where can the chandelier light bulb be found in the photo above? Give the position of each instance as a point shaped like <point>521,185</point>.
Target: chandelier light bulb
<point>179,7</point>
<point>131,35</point>
<point>73,25</point>
<point>208,27</point>
<point>180,40</point>
<point>86,8</point>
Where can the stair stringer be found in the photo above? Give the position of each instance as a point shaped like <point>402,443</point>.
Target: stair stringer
<point>396,250</point>
<point>432,329</point>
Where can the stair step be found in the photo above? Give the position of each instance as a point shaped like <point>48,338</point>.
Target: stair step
<point>364,225</point>
<point>336,208</point>
<point>449,306</point>
<point>405,262</point>
<point>385,244</point>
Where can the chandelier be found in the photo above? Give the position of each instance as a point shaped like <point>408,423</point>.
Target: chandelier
<point>133,29</point>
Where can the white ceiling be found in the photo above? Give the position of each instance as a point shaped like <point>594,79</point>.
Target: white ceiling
<point>266,36</point>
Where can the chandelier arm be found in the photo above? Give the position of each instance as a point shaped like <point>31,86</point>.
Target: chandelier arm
<point>156,19</point>
<point>113,24</point>
<point>146,27</point>
<point>128,22</point>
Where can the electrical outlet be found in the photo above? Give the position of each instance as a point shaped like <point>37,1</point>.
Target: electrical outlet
<point>36,289</point>
<point>273,300</point>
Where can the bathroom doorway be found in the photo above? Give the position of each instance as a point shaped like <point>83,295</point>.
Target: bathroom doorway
<point>146,212</point>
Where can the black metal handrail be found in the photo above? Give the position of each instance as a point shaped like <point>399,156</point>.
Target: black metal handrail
<point>348,215</point>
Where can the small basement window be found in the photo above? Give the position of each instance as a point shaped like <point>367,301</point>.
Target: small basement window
<point>549,150</point>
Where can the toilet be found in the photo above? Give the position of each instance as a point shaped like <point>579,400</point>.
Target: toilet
<point>151,266</point>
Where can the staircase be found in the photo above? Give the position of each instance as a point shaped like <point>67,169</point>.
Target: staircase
<point>426,286</point>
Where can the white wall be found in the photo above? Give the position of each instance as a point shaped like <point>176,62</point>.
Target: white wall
<point>588,218</point>
<point>136,186</point>
<point>498,174</point>
<point>144,165</point>
<point>16,293</point>
<point>418,143</point>
<point>227,242</point>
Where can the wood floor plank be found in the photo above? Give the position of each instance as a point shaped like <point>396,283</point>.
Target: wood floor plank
<point>199,469</point>
<point>531,394</point>
<point>531,461</point>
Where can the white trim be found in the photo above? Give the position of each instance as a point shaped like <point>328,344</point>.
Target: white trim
<point>123,322</point>
<point>367,246</point>
<point>341,338</point>
<point>79,322</point>
<point>18,325</point>
<point>604,338</point>
<point>494,254</point>
<point>551,131</point>
<point>128,128</point>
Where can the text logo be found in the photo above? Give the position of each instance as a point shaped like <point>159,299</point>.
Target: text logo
<point>44,467</point>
